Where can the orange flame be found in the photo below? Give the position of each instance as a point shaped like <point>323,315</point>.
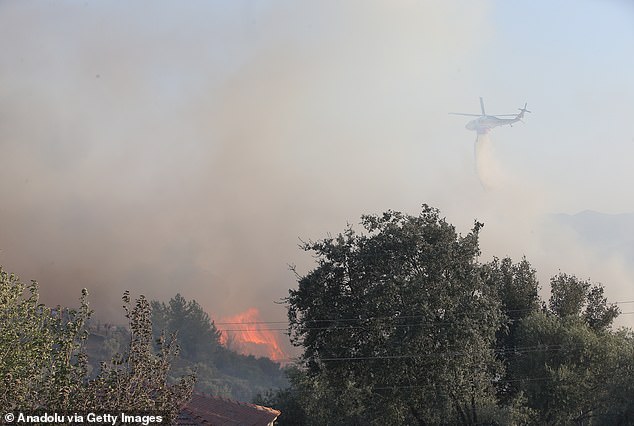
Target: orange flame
<point>245,333</point>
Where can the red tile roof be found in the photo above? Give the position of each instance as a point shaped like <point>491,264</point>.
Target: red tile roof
<point>211,410</point>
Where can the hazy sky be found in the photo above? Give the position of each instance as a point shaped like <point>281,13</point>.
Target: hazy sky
<point>168,147</point>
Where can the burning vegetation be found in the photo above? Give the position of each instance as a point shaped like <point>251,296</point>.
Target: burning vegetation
<point>245,333</point>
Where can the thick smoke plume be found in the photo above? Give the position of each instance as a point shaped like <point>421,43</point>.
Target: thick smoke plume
<point>186,148</point>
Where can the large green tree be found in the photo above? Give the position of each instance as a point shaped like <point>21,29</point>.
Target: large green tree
<point>397,324</point>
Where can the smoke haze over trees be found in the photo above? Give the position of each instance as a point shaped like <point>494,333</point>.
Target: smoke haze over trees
<point>169,146</point>
<point>182,148</point>
<point>400,324</point>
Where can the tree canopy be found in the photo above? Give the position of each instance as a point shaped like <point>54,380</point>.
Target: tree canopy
<point>401,320</point>
<point>401,324</point>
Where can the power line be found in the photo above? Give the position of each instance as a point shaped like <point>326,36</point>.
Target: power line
<point>510,351</point>
<point>346,327</point>
<point>535,379</point>
<point>386,317</point>
<point>413,386</point>
<point>514,351</point>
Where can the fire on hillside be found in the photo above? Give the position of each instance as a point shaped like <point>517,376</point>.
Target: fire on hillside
<point>245,333</point>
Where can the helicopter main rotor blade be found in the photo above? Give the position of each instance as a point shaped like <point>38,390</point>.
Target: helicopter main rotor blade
<point>468,115</point>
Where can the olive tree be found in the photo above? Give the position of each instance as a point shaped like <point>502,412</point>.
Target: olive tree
<point>43,362</point>
<point>397,324</point>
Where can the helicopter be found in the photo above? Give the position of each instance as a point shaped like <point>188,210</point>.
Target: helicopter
<point>484,123</point>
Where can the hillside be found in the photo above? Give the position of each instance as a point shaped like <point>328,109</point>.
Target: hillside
<point>220,371</point>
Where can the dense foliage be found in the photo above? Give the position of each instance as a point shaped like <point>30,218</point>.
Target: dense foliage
<point>387,317</point>
<point>400,324</point>
<point>43,362</point>
<point>403,325</point>
<point>197,334</point>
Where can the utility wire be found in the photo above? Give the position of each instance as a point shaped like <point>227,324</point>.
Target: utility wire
<point>387,387</point>
<point>385,317</point>
<point>345,327</point>
<point>514,351</point>
<point>403,386</point>
<point>510,351</point>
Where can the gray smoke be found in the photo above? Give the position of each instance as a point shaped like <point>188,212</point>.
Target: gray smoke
<point>164,148</point>
<point>186,148</point>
